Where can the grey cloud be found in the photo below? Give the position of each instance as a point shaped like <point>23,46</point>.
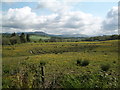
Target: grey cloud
<point>74,22</point>
<point>23,19</point>
<point>111,21</point>
<point>54,5</point>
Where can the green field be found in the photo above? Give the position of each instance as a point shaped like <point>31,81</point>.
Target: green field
<point>37,37</point>
<point>22,65</point>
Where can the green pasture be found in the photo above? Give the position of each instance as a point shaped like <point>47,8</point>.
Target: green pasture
<point>37,37</point>
<point>61,69</point>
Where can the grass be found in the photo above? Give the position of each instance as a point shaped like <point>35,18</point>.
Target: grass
<point>37,37</point>
<point>60,63</point>
<point>105,67</point>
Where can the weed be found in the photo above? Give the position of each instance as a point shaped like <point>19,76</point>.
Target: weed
<point>84,63</point>
<point>78,62</point>
<point>105,67</point>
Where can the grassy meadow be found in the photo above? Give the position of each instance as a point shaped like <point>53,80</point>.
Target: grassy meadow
<point>64,65</point>
<point>38,37</point>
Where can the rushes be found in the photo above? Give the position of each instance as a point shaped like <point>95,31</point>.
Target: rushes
<point>82,62</point>
<point>105,67</point>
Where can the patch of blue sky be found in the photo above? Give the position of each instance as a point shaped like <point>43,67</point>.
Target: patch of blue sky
<point>95,8</point>
<point>13,5</point>
<point>33,5</point>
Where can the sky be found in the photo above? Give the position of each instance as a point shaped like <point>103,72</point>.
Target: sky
<point>60,17</point>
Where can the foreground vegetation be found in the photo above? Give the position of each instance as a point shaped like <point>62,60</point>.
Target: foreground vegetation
<point>61,65</point>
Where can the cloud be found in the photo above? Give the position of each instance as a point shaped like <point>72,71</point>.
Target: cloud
<point>65,22</point>
<point>110,24</point>
<point>19,18</point>
<point>81,23</point>
<point>24,18</point>
<point>72,22</point>
<point>55,5</point>
<point>64,0</point>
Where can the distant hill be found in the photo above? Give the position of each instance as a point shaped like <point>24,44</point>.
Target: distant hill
<point>36,33</point>
<point>72,35</point>
<point>52,35</point>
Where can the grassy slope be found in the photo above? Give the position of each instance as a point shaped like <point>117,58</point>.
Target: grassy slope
<point>65,62</point>
<point>37,37</point>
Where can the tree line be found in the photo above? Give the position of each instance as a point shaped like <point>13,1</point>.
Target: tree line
<point>102,38</point>
<point>11,39</point>
<point>15,38</point>
<point>78,39</point>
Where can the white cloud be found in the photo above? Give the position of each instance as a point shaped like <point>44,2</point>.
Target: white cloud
<point>67,22</point>
<point>79,22</point>
<point>58,6</point>
<point>64,0</point>
<point>19,18</point>
<point>110,24</point>
<point>24,18</point>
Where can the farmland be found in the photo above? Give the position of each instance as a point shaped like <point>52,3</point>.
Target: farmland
<point>22,65</point>
<point>38,37</point>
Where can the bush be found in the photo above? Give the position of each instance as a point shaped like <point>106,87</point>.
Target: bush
<point>105,67</point>
<point>42,63</point>
<point>5,41</point>
<point>84,63</point>
<point>22,38</point>
<point>114,61</point>
<point>14,40</point>
<point>78,62</point>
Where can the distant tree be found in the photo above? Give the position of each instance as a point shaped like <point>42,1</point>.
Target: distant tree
<point>46,40</point>
<point>22,38</point>
<point>40,40</point>
<point>5,41</point>
<point>118,36</point>
<point>13,34</point>
<point>28,38</point>
<point>114,37</point>
<point>53,39</point>
<point>14,40</point>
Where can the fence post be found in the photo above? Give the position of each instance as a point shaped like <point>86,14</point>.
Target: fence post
<point>43,75</point>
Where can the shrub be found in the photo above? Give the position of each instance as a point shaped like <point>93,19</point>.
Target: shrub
<point>84,63</point>
<point>5,41</point>
<point>28,38</point>
<point>22,38</point>
<point>42,63</point>
<point>14,40</point>
<point>78,62</point>
<point>114,61</point>
<point>105,67</point>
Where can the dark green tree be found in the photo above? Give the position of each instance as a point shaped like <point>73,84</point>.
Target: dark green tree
<point>40,40</point>
<point>13,34</point>
<point>5,41</point>
<point>14,40</point>
<point>28,38</point>
<point>22,38</point>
